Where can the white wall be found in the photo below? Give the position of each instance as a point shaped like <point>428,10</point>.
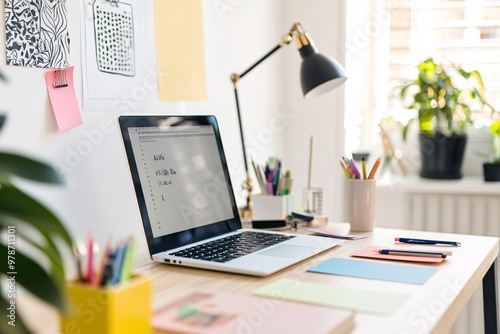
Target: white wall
<point>99,195</point>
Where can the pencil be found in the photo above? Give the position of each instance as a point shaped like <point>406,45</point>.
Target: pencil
<point>363,165</point>
<point>374,169</point>
<point>345,170</point>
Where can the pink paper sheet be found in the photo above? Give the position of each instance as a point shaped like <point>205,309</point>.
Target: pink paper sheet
<point>63,101</point>
<point>372,252</point>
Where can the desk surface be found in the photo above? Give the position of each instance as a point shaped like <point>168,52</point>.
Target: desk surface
<point>432,307</point>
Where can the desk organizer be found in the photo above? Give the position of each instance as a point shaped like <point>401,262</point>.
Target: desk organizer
<point>271,211</point>
<point>124,309</point>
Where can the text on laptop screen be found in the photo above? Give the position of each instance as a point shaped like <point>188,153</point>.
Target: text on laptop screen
<point>182,177</point>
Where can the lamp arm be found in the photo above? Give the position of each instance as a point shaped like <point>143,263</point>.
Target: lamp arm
<point>247,185</point>
<point>257,63</point>
<point>286,39</point>
<point>235,78</point>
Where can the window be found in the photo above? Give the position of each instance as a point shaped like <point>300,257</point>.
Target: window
<point>387,39</point>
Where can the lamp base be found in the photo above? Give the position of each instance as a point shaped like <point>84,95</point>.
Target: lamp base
<point>245,212</point>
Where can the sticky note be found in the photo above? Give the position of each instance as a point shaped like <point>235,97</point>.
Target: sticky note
<point>63,98</point>
<point>364,300</point>
<point>180,50</point>
<point>375,270</point>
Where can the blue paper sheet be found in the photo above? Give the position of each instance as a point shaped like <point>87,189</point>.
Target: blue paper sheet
<point>375,270</point>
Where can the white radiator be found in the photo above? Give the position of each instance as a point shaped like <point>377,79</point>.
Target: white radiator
<point>463,214</point>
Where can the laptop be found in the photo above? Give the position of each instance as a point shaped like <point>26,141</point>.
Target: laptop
<point>186,202</point>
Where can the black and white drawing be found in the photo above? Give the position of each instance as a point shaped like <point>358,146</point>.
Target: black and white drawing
<point>114,37</point>
<point>115,49</point>
<point>36,33</point>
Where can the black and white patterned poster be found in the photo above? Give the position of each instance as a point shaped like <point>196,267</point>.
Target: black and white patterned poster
<point>36,33</point>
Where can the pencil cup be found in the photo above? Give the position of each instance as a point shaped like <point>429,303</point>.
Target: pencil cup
<point>361,204</point>
<point>272,208</point>
<point>123,309</point>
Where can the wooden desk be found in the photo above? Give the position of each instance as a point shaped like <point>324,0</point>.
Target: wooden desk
<point>432,307</point>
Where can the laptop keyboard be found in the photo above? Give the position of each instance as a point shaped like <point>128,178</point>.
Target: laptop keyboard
<point>232,247</point>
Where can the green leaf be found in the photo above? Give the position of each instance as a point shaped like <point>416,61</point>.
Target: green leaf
<point>405,88</point>
<point>3,118</point>
<point>46,247</point>
<point>28,168</point>
<point>35,279</point>
<point>495,128</point>
<point>405,129</point>
<point>15,203</point>
<point>479,79</point>
<point>20,327</point>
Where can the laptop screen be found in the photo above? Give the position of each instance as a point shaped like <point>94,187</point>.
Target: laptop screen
<point>180,178</point>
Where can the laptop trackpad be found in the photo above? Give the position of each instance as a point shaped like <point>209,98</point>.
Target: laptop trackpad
<point>287,251</point>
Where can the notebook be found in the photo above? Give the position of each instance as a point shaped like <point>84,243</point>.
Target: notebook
<point>215,312</point>
<point>187,206</point>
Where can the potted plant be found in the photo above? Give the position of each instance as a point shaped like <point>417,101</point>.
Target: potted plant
<point>491,167</point>
<point>39,267</point>
<point>443,96</point>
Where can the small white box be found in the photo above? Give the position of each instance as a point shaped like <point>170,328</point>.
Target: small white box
<point>267,207</point>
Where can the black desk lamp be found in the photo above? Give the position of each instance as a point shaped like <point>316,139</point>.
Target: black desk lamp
<point>318,74</point>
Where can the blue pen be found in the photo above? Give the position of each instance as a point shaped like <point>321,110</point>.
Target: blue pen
<point>118,264</point>
<point>427,242</point>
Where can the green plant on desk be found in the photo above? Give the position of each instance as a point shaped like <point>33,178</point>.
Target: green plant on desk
<point>443,96</point>
<point>495,131</point>
<point>24,217</point>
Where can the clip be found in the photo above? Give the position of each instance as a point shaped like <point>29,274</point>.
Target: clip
<point>60,78</point>
<point>114,2</point>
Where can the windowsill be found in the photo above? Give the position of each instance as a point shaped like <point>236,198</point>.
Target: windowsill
<point>466,185</point>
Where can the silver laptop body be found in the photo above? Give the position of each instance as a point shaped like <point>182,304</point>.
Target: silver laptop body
<point>185,198</point>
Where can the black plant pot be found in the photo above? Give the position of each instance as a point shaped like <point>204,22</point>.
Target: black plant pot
<point>491,171</point>
<point>442,156</point>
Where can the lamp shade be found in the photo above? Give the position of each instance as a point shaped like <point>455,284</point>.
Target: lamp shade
<point>318,73</point>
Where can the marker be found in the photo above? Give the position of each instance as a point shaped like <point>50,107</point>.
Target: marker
<point>411,253</point>
<point>427,242</point>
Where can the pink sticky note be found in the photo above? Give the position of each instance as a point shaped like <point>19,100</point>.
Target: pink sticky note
<point>63,98</point>
<point>372,252</point>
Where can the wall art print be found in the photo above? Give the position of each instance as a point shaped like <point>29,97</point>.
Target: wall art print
<point>36,33</point>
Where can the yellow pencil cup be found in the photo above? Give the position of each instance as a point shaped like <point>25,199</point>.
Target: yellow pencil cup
<point>123,309</point>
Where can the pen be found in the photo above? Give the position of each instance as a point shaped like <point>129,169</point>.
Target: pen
<point>411,253</point>
<point>427,242</point>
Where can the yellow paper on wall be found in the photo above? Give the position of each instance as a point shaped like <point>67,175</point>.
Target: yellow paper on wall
<point>180,50</point>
